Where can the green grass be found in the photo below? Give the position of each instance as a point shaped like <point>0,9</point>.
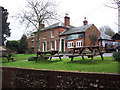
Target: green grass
<point>103,66</point>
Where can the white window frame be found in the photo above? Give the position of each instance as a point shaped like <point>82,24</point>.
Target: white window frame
<point>52,33</point>
<point>70,44</point>
<point>79,43</point>
<point>52,48</point>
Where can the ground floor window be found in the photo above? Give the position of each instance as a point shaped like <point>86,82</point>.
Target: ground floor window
<point>79,43</point>
<point>52,45</point>
<point>70,44</point>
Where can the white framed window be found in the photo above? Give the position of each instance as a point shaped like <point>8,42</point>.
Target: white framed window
<point>79,43</point>
<point>52,45</point>
<point>70,44</point>
<point>52,33</point>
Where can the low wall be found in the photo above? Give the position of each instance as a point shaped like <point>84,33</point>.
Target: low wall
<point>32,78</point>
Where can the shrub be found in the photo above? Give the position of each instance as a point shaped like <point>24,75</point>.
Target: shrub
<point>70,51</point>
<point>31,58</point>
<point>116,56</point>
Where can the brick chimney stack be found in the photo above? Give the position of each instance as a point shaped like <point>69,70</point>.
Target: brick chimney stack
<point>85,22</point>
<point>67,20</point>
<point>42,25</point>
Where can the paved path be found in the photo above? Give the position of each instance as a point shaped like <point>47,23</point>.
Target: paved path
<point>105,55</point>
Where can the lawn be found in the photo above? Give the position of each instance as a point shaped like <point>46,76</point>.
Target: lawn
<point>103,66</point>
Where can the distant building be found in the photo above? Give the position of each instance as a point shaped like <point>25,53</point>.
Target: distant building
<point>116,37</point>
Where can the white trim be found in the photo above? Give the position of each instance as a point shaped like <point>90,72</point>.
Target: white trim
<point>55,45</point>
<point>78,43</point>
<point>43,46</point>
<point>60,44</point>
<point>39,48</point>
<point>69,44</point>
<point>64,45</point>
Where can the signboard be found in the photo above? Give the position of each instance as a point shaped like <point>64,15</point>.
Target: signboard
<point>75,36</point>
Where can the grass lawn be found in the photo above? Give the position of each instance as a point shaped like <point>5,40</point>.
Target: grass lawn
<point>104,66</point>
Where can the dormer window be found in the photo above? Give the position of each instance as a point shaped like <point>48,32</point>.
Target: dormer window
<point>52,34</point>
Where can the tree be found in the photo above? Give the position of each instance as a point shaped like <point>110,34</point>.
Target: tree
<point>12,45</point>
<point>37,12</point>
<point>93,39</point>
<point>5,25</point>
<point>107,30</point>
<point>116,4</point>
<point>23,44</point>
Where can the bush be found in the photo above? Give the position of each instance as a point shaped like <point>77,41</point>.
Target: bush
<point>31,58</point>
<point>116,56</point>
<point>70,51</point>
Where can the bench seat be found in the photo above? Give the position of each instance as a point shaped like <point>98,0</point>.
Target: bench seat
<point>49,56</point>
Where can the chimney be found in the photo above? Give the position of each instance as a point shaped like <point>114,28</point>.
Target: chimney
<point>42,25</point>
<point>67,20</point>
<point>85,22</point>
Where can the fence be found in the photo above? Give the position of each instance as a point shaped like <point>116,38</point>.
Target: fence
<point>32,78</point>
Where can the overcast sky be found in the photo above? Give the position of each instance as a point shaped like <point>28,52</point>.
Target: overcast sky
<point>95,11</point>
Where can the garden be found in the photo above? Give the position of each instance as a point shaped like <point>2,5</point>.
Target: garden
<point>108,65</point>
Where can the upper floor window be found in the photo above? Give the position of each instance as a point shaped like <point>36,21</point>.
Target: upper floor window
<point>79,43</point>
<point>70,44</point>
<point>52,33</point>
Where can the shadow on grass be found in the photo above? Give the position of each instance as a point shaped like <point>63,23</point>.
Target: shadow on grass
<point>48,61</point>
<point>87,61</point>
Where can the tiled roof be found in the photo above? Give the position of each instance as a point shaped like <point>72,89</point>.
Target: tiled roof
<point>59,24</point>
<point>76,30</point>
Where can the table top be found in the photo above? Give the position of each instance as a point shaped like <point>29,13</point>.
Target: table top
<point>48,52</point>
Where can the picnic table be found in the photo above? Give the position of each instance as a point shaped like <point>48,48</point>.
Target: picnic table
<point>9,57</point>
<point>89,51</point>
<point>48,54</point>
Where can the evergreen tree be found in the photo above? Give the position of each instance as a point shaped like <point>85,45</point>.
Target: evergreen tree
<point>5,25</point>
<point>23,44</point>
<point>12,45</point>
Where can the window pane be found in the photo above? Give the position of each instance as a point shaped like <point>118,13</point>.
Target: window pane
<point>81,43</point>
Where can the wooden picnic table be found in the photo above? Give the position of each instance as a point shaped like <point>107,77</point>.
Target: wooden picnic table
<point>48,54</point>
<point>89,51</point>
<point>9,57</point>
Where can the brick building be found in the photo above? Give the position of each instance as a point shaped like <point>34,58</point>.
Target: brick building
<point>63,36</point>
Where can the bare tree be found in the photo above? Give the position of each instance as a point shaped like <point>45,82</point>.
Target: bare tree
<point>107,30</point>
<point>115,4</point>
<point>37,12</point>
<point>93,39</point>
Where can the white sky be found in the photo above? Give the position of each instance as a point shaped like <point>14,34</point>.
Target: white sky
<point>95,11</point>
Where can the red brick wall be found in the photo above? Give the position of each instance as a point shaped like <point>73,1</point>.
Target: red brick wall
<point>91,30</point>
<point>47,35</point>
<point>30,43</point>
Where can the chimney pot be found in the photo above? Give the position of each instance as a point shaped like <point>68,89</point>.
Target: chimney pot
<point>42,26</point>
<point>85,22</point>
<point>67,20</point>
